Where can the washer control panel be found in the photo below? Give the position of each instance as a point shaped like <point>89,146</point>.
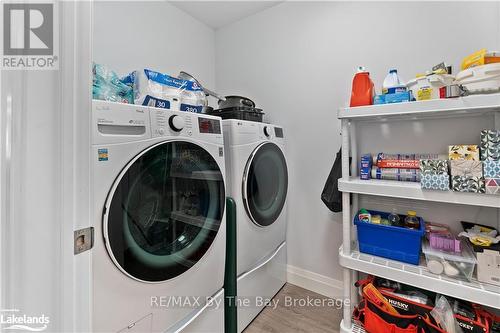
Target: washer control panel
<point>118,122</point>
<point>165,122</point>
<point>209,125</point>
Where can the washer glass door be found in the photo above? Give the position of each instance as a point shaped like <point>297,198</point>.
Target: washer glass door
<point>164,211</point>
<point>266,184</point>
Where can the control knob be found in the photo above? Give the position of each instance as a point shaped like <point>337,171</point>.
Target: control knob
<point>267,131</point>
<point>176,123</point>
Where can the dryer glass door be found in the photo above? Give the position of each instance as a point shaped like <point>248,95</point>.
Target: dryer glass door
<point>265,184</point>
<point>164,211</point>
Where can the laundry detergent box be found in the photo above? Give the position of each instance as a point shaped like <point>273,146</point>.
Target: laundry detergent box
<point>463,152</point>
<point>490,145</point>
<point>491,169</point>
<point>468,184</point>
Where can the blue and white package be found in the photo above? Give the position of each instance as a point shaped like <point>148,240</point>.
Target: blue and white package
<point>407,175</point>
<point>398,97</point>
<point>365,173</point>
<point>366,161</point>
<point>379,99</point>
<point>395,90</point>
<point>365,166</point>
<point>163,91</point>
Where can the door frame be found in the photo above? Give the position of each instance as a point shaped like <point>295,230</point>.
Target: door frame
<point>70,93</point>
<point>76,35</point>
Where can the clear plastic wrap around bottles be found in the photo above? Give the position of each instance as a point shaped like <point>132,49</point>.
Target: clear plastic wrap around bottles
<point>107,86</point>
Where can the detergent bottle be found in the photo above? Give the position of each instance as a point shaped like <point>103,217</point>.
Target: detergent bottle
<point>362,88</point>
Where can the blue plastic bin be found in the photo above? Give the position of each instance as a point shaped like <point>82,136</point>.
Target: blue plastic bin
<point>401,244</point>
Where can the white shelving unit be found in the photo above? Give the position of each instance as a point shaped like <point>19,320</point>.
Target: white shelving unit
<point>475,104</point>
<point>419,276</point>
<point>349,257</point>
<point>412,190</point>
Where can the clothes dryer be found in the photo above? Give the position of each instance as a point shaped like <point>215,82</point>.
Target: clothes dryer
<point>257,178</point>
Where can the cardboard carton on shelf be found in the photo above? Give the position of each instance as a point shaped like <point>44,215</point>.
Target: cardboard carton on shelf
<point>488,254</point>
<point>488,266</point>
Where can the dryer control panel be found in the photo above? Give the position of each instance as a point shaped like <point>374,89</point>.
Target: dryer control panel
<point>240,132</point>
<point>270,132</point>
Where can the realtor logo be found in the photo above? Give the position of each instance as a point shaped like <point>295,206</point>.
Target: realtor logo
<point>29,37</point>
<point>14,319</point>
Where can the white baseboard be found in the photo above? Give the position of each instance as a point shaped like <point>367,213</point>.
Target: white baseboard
<point>318,283</point>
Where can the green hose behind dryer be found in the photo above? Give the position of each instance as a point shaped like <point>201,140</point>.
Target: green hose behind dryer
<point>230,310</point>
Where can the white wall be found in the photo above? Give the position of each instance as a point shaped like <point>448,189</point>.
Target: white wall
<point>154,35</point>
<point>297,60</point>
<point>44,177</point>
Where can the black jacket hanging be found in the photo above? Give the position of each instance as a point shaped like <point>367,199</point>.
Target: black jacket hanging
<point>331,196</point>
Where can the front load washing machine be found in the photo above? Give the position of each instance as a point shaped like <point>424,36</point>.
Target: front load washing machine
<point>257,179</point>
<point>159,196</point>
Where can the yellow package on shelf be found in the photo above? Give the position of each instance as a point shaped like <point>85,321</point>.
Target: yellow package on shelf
<point>479,58</point>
